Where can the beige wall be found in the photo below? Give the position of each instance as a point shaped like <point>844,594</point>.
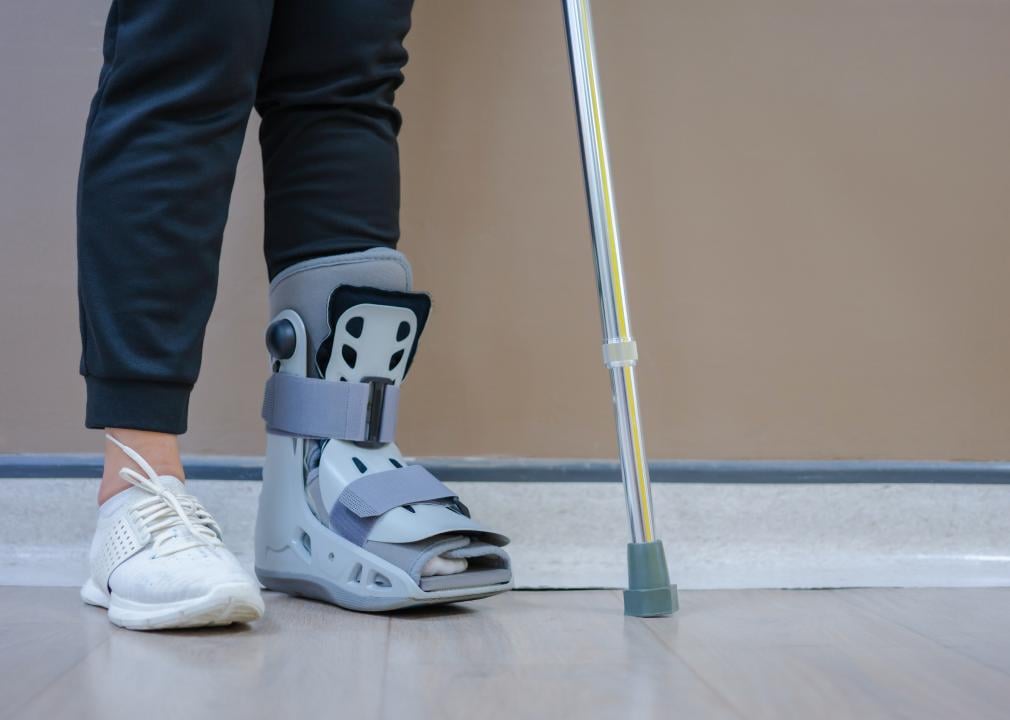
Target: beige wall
<point>815,201</point>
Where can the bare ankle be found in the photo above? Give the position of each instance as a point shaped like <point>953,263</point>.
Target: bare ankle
<point>160,450</point>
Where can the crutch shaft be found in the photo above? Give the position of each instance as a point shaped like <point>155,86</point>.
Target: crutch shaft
<point>649,591</point>
<point>619,349</point>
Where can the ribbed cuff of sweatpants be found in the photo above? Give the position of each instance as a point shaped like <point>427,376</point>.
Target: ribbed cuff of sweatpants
<point>137,405</point>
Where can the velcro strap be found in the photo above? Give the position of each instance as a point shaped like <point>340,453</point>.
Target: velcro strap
<point>304,407</point>
<point>372,495</point>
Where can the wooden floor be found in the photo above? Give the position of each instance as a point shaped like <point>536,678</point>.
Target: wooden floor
<point>571,655</point>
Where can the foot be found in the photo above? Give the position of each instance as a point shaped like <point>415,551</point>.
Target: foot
<point>343,516</point>
<point>158,560</point>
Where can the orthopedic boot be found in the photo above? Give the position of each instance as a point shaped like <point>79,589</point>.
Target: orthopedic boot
<point>343,517</point>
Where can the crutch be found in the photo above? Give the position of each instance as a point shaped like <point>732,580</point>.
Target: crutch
<point>649,591</point>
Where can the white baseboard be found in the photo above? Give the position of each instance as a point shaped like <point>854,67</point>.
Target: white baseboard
<point>573,534</point>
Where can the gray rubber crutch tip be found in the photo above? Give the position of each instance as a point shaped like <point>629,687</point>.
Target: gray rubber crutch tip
<point>649,592</point>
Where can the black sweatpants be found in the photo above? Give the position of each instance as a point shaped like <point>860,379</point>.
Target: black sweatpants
<point>179,81</point>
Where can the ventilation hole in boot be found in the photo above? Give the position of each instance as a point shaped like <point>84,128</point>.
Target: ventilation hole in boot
<point>402,331</point>
<point>362,468</point>
<point>349,355</point>
<point>395,360</point>
<point>307,543</point>
<point>354,326</point>
<point>394,463</point>
<point>355,574</point>
<point>381,581</point>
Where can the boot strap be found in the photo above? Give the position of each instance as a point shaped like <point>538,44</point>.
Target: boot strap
<point>296,406</point>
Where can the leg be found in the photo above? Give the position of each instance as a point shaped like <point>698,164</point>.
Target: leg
<point>359,525</point>
<point>159,449</point>
<point>161,145</point>
<point>330,158</point>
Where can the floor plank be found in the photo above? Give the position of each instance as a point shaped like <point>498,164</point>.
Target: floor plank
<point>727,654</point>
<point>305,659</point>
<point>816,655</point>
<point>552,654</point>
<point>971,621</point>
<point>44,632</point>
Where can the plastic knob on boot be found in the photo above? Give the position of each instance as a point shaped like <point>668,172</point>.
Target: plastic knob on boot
<point>281,339</point>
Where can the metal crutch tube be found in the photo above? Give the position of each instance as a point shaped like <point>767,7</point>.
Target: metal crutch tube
<point>649,591</point>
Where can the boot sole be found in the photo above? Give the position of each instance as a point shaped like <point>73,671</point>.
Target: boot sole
<point>319,588</point>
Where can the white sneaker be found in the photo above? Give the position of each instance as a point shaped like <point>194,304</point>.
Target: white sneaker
<point>158,561</point>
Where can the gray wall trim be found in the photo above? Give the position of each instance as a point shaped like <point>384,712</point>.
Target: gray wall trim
<point>568,470</point>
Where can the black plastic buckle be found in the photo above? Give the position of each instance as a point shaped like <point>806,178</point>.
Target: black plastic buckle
<point>376,404</point>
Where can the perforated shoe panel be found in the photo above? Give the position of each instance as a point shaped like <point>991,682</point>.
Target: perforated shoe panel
<point>122,541</point>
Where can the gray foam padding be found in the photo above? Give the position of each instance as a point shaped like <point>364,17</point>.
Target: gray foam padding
<point>306,286</point>
<point>470,578</point>
<point>411,557</point>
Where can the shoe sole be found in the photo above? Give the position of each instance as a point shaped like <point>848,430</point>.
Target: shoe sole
<point>225,604</point>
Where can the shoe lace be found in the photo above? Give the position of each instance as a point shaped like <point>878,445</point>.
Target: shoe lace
<point>166,510</point>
